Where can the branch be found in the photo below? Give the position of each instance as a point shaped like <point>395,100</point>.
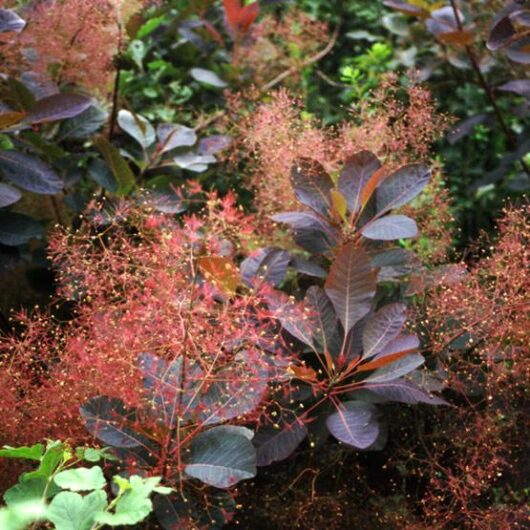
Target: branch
<point>315,58</point>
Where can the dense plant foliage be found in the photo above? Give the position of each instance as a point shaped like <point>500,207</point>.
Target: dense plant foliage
<point>236,244</point>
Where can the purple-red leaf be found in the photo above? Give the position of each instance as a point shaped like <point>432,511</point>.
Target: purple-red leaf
<point>275,445</point>
<point>404,392</point>
<point>390,227</point>
<point>355,423</point>
<point>57,107</point>
<point>351,285</point>
<point>402,186</point>
<point>402,366</point>
<point>354,176</point>
<point>312,185</point>
<point>383,327</point>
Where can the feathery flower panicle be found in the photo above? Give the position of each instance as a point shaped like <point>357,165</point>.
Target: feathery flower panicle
<point>138,283</point>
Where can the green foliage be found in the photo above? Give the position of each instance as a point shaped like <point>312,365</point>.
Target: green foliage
<point>49,493</point>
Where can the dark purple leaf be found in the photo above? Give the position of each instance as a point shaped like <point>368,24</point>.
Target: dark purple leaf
<point>308,268</point>
<point>396,369</point>
<point>402,186</point>
<point>214,144</point>
<point>110,421</point>
<point>355,174</point>
<point>351,285</point>
<point>275,445</point>
<point>355,423</point>
<point>517,86</point>
<point>269,265</point>
<point>57,107</point>
<point>312,185</point>
<point>234,391</point>
<point>326,329</point>
<point>10,21</point>
<point>400,344</point>
<point>383,327</point>
<point>17,229</point>
<point>404,392</point>
<point>519,51</point>
<point>405,7</point>
<point>8,195</point>
<point>394,263</point>
<point>465,127</point>
<point>29,173</point>
<point>501,34</point>
<point>390,227</point>
<point>292,316</point>
<point>222,456</point>
<point>310,231</point>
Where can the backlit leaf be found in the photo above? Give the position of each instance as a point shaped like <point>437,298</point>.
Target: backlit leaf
<point>81,479</point>
<point>220,271</point>
<point>71,511</point>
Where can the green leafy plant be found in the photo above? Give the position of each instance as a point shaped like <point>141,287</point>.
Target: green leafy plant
<point>70,496</point>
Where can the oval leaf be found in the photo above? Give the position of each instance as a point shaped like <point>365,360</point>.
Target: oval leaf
<point>351,285</point>
<point>8,195</point>
<point>207,77</point>
<point>390,227</point>
<point>221,459</point>
<point>29,173</point>
<point>57,107</point>
<point>355,423</point>
<point>275,445</point>
<point>402,186</point>
<point>17,229</point>
<point>383,327</point>
<point>117,164</point>
<point>396,369</point>
<point>404,392</point>
<point>109,421</point>
<point>312,185</point>
<point>172,136</point>
<point>10,21</point>
<point>354,176</point>
<point>138,127</point>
